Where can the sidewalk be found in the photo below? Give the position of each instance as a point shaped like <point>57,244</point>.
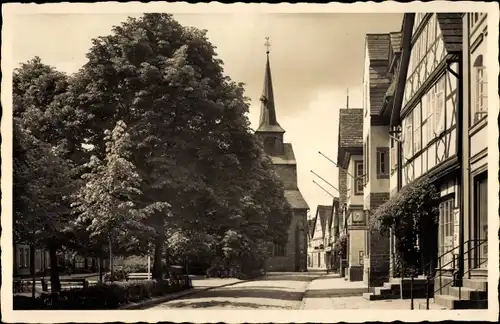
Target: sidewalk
<point>333,292</point>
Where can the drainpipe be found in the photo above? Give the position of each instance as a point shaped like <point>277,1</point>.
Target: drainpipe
<point>462,152</point>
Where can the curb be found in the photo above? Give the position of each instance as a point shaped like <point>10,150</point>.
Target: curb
<point>303,301</point>
<point>153,302</point>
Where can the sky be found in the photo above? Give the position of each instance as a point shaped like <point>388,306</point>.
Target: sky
<point>315,58</point>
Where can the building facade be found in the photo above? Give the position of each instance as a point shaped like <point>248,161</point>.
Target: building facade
<point>351,187</point>
<point>68,262</point>
<point>293,255</point>
<point>438,131</point>
<point>381,60</point>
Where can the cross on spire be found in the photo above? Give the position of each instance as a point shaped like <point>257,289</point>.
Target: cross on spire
<point>267,44</point>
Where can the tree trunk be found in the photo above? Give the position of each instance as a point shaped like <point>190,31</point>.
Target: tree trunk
<point>100,265</point>
<point>158,247</point>
<point>33,270</point>
<point>55,284</point>
<point>110,260</point>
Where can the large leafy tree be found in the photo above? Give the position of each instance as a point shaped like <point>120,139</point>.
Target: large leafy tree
<point>165,82</point>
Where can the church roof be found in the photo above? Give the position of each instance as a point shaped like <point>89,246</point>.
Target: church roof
<point>295,199</point>
<point>268,121</point>
<point>288,157</point>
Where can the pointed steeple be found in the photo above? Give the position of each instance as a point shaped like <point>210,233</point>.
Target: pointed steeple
<point>268,121</point>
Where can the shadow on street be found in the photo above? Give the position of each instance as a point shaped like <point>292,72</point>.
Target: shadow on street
<point>229,304</point>
<point>248,292</point>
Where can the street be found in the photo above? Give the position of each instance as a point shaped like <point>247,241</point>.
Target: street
<point>305,291</point>
<point>274,291</point>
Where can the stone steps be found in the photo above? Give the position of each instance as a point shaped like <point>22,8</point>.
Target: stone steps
<point>452,302</point>
<point>472,295</point>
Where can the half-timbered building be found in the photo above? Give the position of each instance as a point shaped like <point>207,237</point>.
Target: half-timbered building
<point>428,115</point>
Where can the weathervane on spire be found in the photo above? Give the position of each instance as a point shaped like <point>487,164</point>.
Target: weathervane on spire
<point>267,45</point>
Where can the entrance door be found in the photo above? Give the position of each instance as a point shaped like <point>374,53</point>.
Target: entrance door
<point>481,220</point>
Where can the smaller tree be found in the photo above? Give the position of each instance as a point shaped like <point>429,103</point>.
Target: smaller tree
<point>105,203</point>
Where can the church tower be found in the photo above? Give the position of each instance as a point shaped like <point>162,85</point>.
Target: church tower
<point>293,255</point>
<point>269,132</point>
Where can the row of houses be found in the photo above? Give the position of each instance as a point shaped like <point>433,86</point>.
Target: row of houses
<point>67,262</point>
<point>424,115</point>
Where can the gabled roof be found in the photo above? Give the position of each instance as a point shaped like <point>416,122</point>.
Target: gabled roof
<point>295,199</point>
<point>322,213</point>
<point>451,29</point>
<point>395,41</point>
<point>310,227</point>
<point>335,206</point>
<point>288,157</point>
<point>350,133</point>
<point>350,128</point>
<point>378,46</point>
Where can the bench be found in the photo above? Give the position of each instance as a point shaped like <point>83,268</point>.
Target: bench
<point>66,284</point>
<point>139,276</point>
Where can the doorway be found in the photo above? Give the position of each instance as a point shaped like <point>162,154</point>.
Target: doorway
<point>481,221</point>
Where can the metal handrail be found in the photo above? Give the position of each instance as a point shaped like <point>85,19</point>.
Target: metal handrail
<point>465,253</point>
<point>441,267</point>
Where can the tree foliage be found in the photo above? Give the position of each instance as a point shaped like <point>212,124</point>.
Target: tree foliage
<point>411,215</point>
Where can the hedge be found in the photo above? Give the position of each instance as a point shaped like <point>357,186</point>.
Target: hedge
<point>104,296</point>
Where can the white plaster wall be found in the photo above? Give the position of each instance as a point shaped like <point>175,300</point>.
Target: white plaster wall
<point>356,244</point>
<point>379,137</point>
<point>479,141</point>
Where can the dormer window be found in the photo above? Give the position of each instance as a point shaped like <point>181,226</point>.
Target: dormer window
<point>480,98</point>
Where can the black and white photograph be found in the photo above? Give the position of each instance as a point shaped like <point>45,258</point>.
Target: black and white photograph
<point>179,158</point>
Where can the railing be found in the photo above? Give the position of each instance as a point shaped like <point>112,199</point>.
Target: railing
<point>432,273</point>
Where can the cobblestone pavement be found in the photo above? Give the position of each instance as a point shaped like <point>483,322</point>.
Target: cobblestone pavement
<point>274,291</point>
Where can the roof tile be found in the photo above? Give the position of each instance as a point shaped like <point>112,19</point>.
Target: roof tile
<point>350,127</point>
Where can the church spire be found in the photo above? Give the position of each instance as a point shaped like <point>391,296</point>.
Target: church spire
<point>268,121</point>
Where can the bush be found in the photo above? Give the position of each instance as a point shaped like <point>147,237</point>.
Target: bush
<point>105,296</point>
<point>118,275</point>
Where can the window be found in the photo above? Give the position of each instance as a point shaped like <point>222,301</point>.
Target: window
<point>23,260</point>
<point>417,136</point>
<point>382,162</point>
<point>358,174</point>
<point>361,256</point>
<point>394,152</point>
<point>446,227</point>
<point>480,103</point>
<point>408,137</point>
<point>481,220</point>
<point>438,107</point>
<point>427,112</point>
<point>279,250</point>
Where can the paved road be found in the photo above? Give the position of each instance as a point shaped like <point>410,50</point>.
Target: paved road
<point>275,291</point>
